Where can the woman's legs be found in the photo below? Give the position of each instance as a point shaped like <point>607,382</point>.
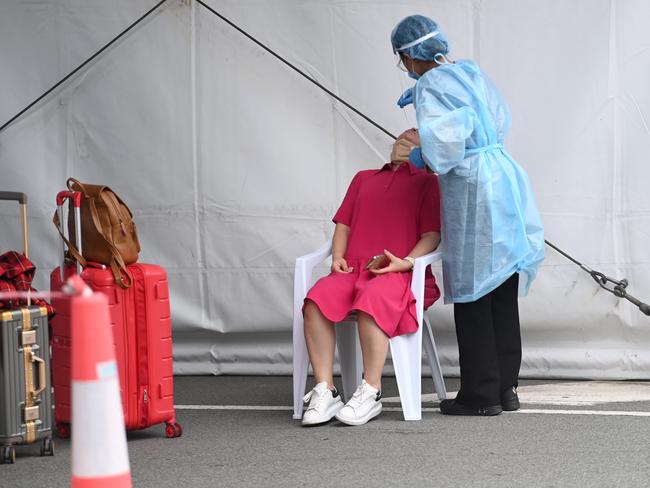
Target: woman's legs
<point>321,341</point>
<point>374,346</point>
<point>365,404</point>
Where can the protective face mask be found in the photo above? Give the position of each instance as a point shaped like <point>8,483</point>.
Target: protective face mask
<point>402,66</point>
<point>401,150</point>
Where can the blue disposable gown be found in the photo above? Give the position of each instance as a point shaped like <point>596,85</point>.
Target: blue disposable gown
<point>491,227</point>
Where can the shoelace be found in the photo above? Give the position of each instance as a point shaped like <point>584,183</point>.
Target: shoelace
<point>357,398</point>
<point>317,400</point>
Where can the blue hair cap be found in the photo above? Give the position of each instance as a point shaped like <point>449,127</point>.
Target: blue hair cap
<point>418,37</point>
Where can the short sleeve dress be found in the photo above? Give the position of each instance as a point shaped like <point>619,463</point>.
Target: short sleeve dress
<point>384,209</point>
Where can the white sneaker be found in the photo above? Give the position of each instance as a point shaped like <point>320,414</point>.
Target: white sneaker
<point>323,404</point>
<point>364,405</point>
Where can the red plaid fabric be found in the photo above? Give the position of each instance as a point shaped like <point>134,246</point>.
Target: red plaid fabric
<point>16,274</point>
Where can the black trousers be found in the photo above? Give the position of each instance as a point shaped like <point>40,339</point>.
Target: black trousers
<point>489,343</point>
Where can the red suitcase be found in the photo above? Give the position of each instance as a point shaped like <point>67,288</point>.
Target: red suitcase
<point>140,316</point>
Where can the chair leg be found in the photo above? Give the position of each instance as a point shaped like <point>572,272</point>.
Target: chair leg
<point>434,362</point>
<point>300,366</point>
<point>350,358</point>
<point>406,351</point>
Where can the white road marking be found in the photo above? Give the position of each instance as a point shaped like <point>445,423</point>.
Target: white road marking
<point>611,413</point>
<point>232,407</point>
<point>266,408</point>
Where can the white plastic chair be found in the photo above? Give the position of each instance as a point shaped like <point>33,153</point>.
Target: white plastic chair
<point>406,350</point>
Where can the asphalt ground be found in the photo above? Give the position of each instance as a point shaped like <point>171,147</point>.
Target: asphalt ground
<point>238,432</point>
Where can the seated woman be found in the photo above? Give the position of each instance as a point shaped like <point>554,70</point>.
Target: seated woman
<point>392,212</point>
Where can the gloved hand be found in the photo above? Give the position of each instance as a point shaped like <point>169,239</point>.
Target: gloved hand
<point>406,98</point>
<point>416,158</point>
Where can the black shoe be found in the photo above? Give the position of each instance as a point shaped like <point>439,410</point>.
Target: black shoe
<point>510,400</point>
<point>452,407</point>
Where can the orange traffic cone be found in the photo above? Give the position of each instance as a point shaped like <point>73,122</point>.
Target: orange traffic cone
<point>100,457</point>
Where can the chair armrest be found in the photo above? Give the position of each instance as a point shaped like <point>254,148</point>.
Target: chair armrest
<point>312,259</point>
<point>417,280</point>
<point>422,262</point>
<point>302,274</point>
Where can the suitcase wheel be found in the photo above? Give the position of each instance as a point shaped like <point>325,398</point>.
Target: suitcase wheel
<point>173,430</point>
<point>47,447</point>
<point>63,430</point>
<point>8,455</point>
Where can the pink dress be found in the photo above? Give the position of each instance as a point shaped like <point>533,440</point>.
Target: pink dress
<point>390,210</point>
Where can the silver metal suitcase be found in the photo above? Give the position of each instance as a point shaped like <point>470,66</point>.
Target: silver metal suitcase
<point>25,389</point>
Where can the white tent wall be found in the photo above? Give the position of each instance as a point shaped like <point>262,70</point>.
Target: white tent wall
<point>234,165</point>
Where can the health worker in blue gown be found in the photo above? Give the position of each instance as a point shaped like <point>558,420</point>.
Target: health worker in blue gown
<point>492,234</point>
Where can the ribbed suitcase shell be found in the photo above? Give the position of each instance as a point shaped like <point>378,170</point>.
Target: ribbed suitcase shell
<point>140,316</point>
<point>13,429</point>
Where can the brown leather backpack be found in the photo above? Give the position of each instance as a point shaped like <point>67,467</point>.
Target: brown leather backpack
<point>108,234</point>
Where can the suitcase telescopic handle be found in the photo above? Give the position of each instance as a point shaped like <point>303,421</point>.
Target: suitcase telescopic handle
<point>15,196</point>
<point>21,198</point>
<point>75,197</point>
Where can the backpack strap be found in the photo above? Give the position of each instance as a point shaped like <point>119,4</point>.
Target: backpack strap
<point>71,247</point>
<point>120,272</point>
